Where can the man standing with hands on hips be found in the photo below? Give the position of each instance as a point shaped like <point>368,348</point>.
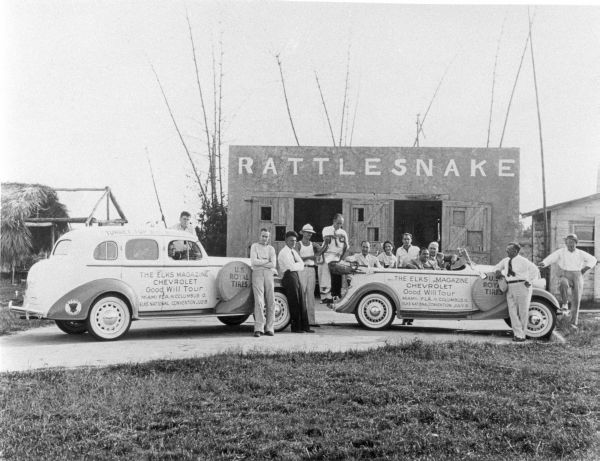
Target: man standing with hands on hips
<point>519,274</point>
<point>572,263</point>
<point>264,268</point>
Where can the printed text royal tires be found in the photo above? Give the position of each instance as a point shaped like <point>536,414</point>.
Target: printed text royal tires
<point>375,311</point>
<point>72,327</point>
<point>282,312</point>
<point>541,319</point>
<point>109,318</point>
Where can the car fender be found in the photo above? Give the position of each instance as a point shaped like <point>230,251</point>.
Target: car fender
<point>540,293</point>
<point>75,305</point>
<point>348,304</point>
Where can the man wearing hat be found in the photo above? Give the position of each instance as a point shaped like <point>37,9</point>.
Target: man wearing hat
<point>572,263</point>
<point>308,251</point>
<point>519,274</point>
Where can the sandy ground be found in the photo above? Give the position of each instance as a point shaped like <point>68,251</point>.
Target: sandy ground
<point>147,340</point>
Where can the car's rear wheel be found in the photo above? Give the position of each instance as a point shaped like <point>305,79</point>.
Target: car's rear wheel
<point>233,319</point>
<point>72,327</point>
<point>282,312</point>
<point>375,311</point>
<point>109,318</point>
<point>541,319</point>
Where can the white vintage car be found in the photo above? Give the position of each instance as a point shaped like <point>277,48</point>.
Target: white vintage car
<point>100,279</point>
<point>377,296</point>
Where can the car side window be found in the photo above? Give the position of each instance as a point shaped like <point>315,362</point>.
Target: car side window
<point>106,251</point>
<point>184,250</point>
<point>141,249</point>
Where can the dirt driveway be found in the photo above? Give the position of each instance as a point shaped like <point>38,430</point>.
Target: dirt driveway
<point>147,340</point>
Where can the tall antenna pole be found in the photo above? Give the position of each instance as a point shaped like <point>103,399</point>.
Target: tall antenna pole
<point>155,189</point>
<point>416,144</point>
<point>494,82</point>
<point>537,103</point>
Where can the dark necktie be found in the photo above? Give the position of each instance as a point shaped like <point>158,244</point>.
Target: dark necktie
<point>511,273</point>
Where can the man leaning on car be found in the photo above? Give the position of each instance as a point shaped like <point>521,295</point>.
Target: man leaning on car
<point>519,274</point>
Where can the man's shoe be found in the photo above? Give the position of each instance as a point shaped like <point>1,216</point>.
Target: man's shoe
<point>327,301</point>
<point>257,334</point>
<point>269,333</point>
<point>309,331</point>
<point>297,331</point>
<point>516,339</point>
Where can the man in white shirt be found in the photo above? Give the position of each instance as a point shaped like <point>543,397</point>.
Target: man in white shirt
<point>263,262</point>
<point>184,222</point>
<point>365,258</point>
<point>407,252</point>
<point>572,263</point>
<point>335,245</point>
<point>290,263</point>
<point>519,274</point>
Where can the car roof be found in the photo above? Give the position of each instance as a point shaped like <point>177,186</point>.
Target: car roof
<point>108,232</point>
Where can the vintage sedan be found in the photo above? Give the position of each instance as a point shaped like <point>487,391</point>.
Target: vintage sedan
<point>100,279</point>
<point>377,296</point>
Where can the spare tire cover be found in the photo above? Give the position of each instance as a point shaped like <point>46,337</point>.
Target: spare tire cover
<point>486,293</point>
<point>234,278</point>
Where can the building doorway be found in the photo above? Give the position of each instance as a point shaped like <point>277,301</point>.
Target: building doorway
<point>421,218</point>
<point>317,212</point>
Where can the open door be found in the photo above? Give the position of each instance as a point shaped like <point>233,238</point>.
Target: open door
<point>467,225</point>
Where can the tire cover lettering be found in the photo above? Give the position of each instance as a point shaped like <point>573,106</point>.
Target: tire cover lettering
<point>234,278</point>
<point>486,293</point>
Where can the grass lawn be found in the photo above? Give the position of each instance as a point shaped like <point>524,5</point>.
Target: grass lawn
<point>414,401</point>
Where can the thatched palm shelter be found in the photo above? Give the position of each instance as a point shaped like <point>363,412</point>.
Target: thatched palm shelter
<point>20,242</point>
<point>33,218</point>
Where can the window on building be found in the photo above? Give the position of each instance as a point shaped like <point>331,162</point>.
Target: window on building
<point>184,250</point>
<point>475,240</point>
<point>106,251</point>
<point>280,233</point>
<point>265,213</point>
<point>141,249</point>
<point>373,234</point>
<point>358,214</point>
<point>585,234</point>
<point>458,218</point>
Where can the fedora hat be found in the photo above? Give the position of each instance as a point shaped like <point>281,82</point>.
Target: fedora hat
<point>307,228</point>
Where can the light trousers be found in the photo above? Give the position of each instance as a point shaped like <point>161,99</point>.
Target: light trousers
<point>263,288</point>
<point>518,299</point>
<point>573,279</point>
<point>307,282</point>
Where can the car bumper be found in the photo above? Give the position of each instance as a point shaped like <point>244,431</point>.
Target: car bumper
<point>24,311</point>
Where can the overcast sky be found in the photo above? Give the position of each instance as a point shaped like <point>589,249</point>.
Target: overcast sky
<point>80,102</point>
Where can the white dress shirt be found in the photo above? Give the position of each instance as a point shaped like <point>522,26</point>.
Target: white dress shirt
<point>289,260</point>
<point>367,261</point>
<point>570,260</point>
<point>522,267</point>
<point>404,257</point>
<point>336,247</point>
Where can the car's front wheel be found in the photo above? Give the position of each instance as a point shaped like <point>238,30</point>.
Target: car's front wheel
<point>375,311</point>
<point>72,327</point>
<point>109,318</point>
<point>233,319</point>
<point>541,319</point>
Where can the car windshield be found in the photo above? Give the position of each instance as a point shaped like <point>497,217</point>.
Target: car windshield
<point>62,248</point>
